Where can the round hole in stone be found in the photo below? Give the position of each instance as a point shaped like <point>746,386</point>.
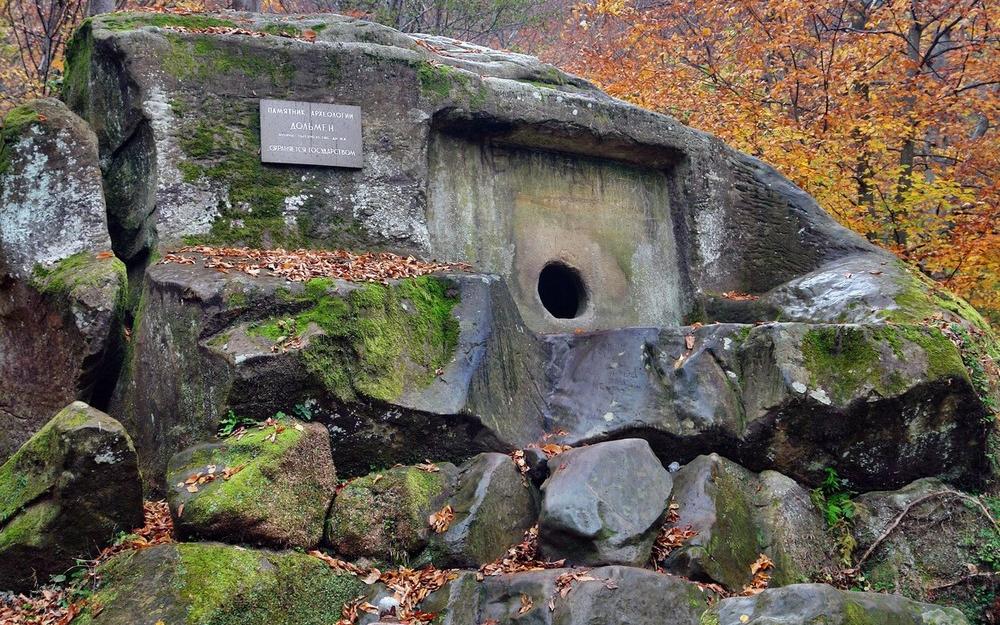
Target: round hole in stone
<point>562,291</point>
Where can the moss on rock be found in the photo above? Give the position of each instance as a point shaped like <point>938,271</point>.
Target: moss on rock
<point>384,515</point>
<point>34,468</point>
<point>80,271</point>
<point>131,21</point>
<point>199,584</point>
<point>278,496</point>
<point>64,494</point>
<point>378,340</point>
<point>850,361</point>
<point>18,121</point>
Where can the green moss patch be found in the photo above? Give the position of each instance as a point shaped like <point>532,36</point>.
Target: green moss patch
<point>79,271</point>
<point>840,359</point>
<point>734,544</point>
<point>920,298</point>
<point>848,361</point>
<point>76,77</point>
<point>270,497</point>
<point>436,80</point>
<point>210,584</point>
<point>35,467</point>
<point>378,340</point>
<point>282,30</point>
<point>202,57</point>
<point>131,21</point>
<point>384,515</point>
<point>17,122</point>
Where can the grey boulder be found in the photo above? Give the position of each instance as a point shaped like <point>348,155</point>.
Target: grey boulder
<point>882,404</point>
<point>612,595</point>
<point>739,515</point>
<point>441,385</point>
<point>819,603</point>
<point>65,495</point>
<point>939,535</point>
<point>603,504</point>
<point>493,506</point>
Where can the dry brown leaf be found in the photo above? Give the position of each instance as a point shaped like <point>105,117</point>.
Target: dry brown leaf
<point>526,604</point>
<point>761,578</point>
<point>737,296</point>
<point>441,520</point>
<point>689,342</point>
<point>554,449</point>
<point>302,265</point>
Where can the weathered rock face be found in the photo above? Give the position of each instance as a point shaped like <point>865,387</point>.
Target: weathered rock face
<point>469,154</point>
<point>57,295</point>
<point>270,486</point>
<point>534,175</point>
<point>739,515</point>
<point>385,515</point>
<point>613,595</point>
<point>197,583</point>
<point>881,404</point>
<point>941,535</point>
<point>815,603</point>
<point>493,507</point>
<point>50,188</point>
<point>431,367</point>
<point>64,495</point>
<point>603,504</point>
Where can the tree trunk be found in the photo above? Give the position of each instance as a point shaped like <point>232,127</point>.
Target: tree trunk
<point>96,7</point>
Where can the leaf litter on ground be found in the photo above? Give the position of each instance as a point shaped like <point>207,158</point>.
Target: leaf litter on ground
<point>302,265</point>
<point>58,605</point>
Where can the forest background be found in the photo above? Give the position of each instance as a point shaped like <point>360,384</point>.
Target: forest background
<point>886,111</point>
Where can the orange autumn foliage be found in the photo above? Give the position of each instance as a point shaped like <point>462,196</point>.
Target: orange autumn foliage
<point>886,112</point>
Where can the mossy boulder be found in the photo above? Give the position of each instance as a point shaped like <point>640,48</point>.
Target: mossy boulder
<point>493,506</point>
<point>738,516</point>
<point>269,486</point>
<point>941,535</point>
<point>65,495</point>
<point>429,367</point>
<point>603,504</point>
<point>384,515</point>
<point>60,285</point>
<point>819,603</point>
<point>199,583</point>
<point>883,404</point>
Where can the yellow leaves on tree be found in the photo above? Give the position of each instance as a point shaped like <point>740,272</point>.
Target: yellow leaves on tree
<point>885,112</point>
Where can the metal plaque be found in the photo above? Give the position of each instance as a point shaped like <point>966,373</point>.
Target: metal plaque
<point>309,133</point>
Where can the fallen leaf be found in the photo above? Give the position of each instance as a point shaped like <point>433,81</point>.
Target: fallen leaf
<point>689,342</point>
<point>526,604</point>
<point>428,466</point>
<point>441,520</point>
